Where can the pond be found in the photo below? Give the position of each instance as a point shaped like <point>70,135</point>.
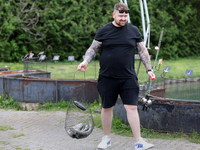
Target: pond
<point>174,89</point>
<point>183,91</point>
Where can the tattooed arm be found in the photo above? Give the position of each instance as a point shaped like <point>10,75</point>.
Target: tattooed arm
<point>89,55</point>
<point>92,51</point>
<point>144,56</point>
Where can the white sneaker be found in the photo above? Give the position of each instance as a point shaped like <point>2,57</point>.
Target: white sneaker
<point>142,145</point>
<point>105,143</point>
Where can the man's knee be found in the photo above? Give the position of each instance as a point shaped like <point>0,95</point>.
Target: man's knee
<point>107,109</point>
<point>130,108</point>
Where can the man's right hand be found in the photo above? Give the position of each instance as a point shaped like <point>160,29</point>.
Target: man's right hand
<point>82,66</point>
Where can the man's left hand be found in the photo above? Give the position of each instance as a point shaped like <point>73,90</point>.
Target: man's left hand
<point>151,75</point>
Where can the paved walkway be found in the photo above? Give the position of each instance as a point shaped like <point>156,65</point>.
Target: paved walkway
<point>43,130</point>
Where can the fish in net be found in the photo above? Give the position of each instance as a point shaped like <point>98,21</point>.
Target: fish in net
<point>79,121</point>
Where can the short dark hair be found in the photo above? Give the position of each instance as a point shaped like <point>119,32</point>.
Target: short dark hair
<point>121,6</point>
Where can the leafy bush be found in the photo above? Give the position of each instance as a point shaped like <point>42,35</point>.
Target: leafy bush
<point>7,102</point>
<point>61,105</point>
<point>68,27</point>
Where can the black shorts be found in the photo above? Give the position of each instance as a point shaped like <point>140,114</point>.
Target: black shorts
<point>110,88</point>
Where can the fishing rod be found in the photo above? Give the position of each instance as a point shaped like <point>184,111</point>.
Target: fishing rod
<point>146,100</point>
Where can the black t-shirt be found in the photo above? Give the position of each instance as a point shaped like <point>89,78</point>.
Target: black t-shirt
<point>118,50</point>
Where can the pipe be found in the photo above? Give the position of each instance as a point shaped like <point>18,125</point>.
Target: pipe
<point>142,17</point>
<point>148,22</point>
<point>125,1</point>
<point>56,91</point>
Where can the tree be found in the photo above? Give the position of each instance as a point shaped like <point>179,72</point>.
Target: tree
<point>67,27</point>
<point>22,28</point>
<point>181,33</point>
<point>73,24</point>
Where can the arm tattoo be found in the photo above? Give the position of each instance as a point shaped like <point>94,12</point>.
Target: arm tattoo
<point>92,51</point>
<point>144,55</point>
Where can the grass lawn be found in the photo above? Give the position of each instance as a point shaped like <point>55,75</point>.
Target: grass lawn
<point>69,70</point>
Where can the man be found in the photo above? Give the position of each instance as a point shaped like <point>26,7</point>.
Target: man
<point>117,41</point>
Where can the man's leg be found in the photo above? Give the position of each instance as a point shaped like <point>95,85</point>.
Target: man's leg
<point>106,118</point>
<point>134,121</point>
<point>108,89</point>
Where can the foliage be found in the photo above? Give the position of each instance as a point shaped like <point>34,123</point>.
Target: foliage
<point>5,128</point>
<point>22,29</point>
<point>180,20</point>
<point>61,105</point>
<point>68,27</point>
<point>73,24</point>
<point>194,137</point>
<point>19,135</point>
<point>7,102</point>
<point>181,34</point>
<point>120,128</point>
<point>95,105</point>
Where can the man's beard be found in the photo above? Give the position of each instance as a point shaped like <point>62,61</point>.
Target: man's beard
<point>120,24</point>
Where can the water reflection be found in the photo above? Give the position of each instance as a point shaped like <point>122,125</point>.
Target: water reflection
<point>182,90</point>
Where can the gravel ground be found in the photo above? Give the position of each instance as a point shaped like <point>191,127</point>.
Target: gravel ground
<point>44,130</point>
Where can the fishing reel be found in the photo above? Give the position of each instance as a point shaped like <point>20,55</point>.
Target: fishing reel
<point>146,102</point>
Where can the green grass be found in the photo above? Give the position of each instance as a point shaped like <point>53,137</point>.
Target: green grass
<point>19,135</point>
<point>7,102</point>
<point>59,106</point>
<point>3,143</point>
<point>121,129</point>
<point>68,70</point>
<point>5,128</point>
<point>13,66</point>
<point>177,71</point>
